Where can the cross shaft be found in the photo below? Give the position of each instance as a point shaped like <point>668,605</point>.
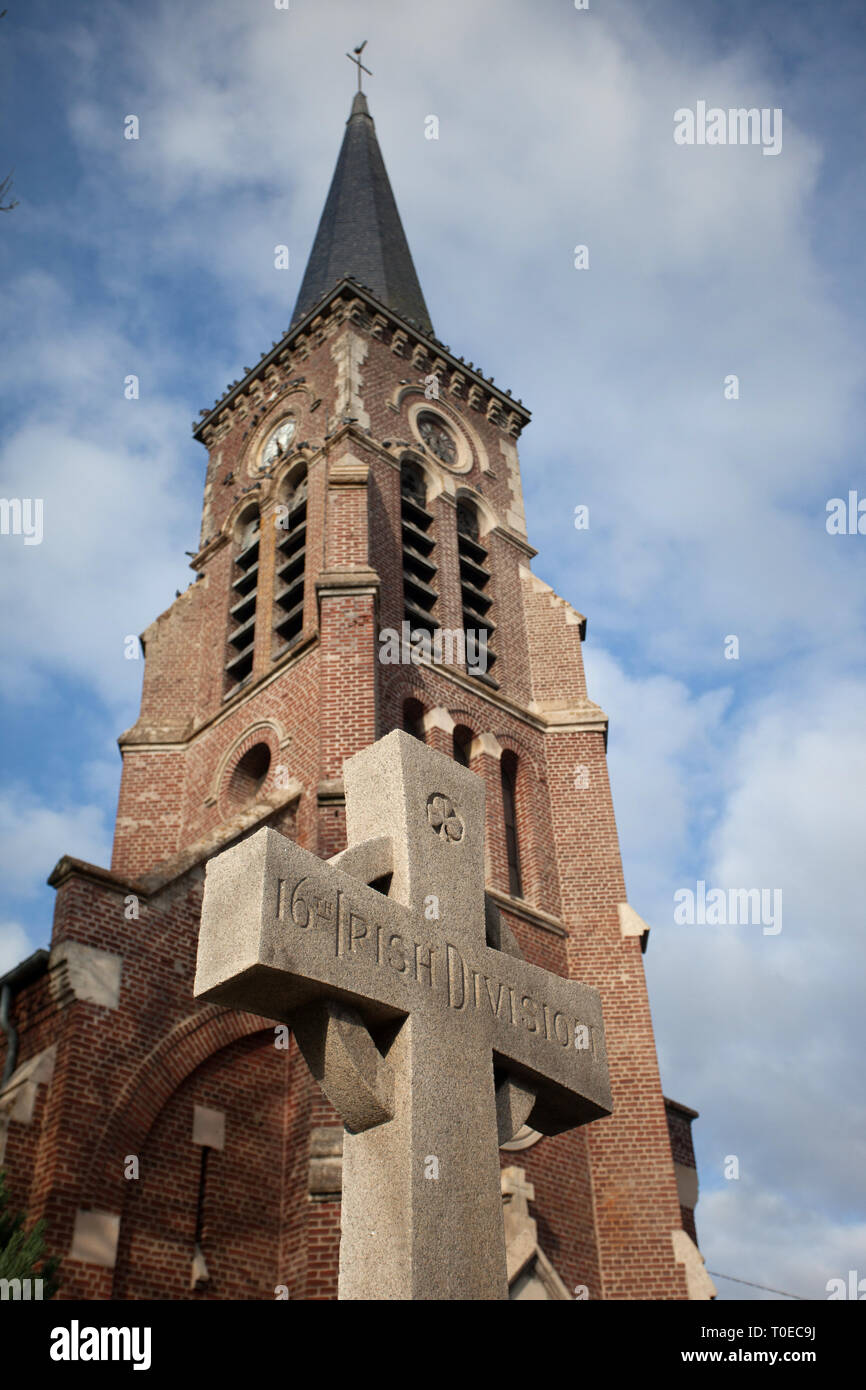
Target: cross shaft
<point>433,1045</point>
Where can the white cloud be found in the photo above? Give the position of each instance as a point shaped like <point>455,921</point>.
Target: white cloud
<point>758,1236</point>
<point>14,946</point>
<point>118,511</point>
<point>665,758</point>
<point>33,836</point>
<point>755,1031</point>
<point>707,516</point>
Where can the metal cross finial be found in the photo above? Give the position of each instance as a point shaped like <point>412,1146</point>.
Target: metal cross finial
<point>357,59</point>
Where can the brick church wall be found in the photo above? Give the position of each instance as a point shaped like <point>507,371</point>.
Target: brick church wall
<point>130,1071</point>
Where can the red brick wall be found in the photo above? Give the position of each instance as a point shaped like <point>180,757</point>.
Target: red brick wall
<point>261,1228</point>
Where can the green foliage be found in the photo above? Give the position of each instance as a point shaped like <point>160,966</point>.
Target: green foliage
<point>22,1253</point>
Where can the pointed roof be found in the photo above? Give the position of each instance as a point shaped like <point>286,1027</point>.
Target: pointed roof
<point>360,233</point>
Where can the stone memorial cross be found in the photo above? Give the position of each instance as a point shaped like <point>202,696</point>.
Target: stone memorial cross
<point>414,1009</point>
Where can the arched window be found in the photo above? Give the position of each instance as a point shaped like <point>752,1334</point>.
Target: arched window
<point>242,605</point>
<point>419,571</point>
<point>290,565</point>
<point>474,583</point>
<point>508,772</point>
<point>462,741</point>
<point>413,719</point>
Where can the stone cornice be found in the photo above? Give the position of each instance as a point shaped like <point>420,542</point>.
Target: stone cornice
<point>68,867</point>
<point>348,471</point>
<point>500,529</point>
<point>207,551</point>
<point>390,453</point>
<point>465,377</point>
<point>331,792</point>
<point>204,848</point>
<point>290,658</point>
<point>563,719</point>
<point>362,580</point>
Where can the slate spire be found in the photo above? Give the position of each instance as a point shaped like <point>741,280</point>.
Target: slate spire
<point>360,232</point>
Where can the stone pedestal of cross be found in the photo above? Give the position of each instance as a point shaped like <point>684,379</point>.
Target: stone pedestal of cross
<point>430,1034</point>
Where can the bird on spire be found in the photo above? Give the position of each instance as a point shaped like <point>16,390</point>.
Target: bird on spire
<point>357,59</point>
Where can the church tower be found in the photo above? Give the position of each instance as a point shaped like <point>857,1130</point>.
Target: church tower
<point>363,565</point>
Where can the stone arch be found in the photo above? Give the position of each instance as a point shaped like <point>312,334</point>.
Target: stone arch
<point>513,743</point>
<point>434,478</point>
<point>488,518</point>
<point>253,498</point>
<point>471,446</point>
<point>535,835</point>
<point>273,413</point>
<point>407,684</point>
<point>292,474</point>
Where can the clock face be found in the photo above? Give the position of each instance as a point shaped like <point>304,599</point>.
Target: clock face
<point>438,438</point>
<point>278,443</point>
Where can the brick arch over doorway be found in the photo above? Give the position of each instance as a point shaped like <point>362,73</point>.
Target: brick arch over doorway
<point>163,1070</point>
<point>251,1214</point>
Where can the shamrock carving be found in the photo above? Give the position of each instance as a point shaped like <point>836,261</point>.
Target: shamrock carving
<point>444,818</point>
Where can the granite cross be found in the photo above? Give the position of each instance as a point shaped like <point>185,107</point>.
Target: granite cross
<point>414,1009</point>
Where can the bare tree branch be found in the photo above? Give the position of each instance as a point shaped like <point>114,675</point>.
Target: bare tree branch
<point>6,184</point>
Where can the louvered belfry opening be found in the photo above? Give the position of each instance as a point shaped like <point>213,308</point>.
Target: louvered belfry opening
<point>474,582</point>
<point>419,571</point>
<point>290,565</point>
<point>242,610</point>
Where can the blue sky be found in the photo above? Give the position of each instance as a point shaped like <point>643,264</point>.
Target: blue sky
<point>707,516</point>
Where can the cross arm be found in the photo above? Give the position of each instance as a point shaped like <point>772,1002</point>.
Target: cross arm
<point>282,929</point>
<point>284,932</point>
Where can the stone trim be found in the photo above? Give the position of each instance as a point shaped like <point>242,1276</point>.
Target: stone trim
<point>349,353</point>
<point>68,867</point>
<point>438,718</point>
<point>230,705</point>
<point>525,1138</point>
<point>276,409</point>
<point>348,471</point>
<point>515,515</point>
<point>698,1282</point>
<point>266,731</point>
<point>95,1237</point>
<point>556,717</point>
<point>535,916</point>
<point>487,744</point>
<point>538,586</point>
<point>84,973</point>
<point>325,1178</point>
<point>630,924</point>
<point>331,793</point>
<point>318,324</point>
<point>208,1127</point>
<point>522,1251</point>
<point>687,1185</point>
<point>469,448</point>
<point>18,1096</point>
<point>334,583</point>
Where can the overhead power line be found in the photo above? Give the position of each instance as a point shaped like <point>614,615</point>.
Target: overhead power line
<point>765,1287</point>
